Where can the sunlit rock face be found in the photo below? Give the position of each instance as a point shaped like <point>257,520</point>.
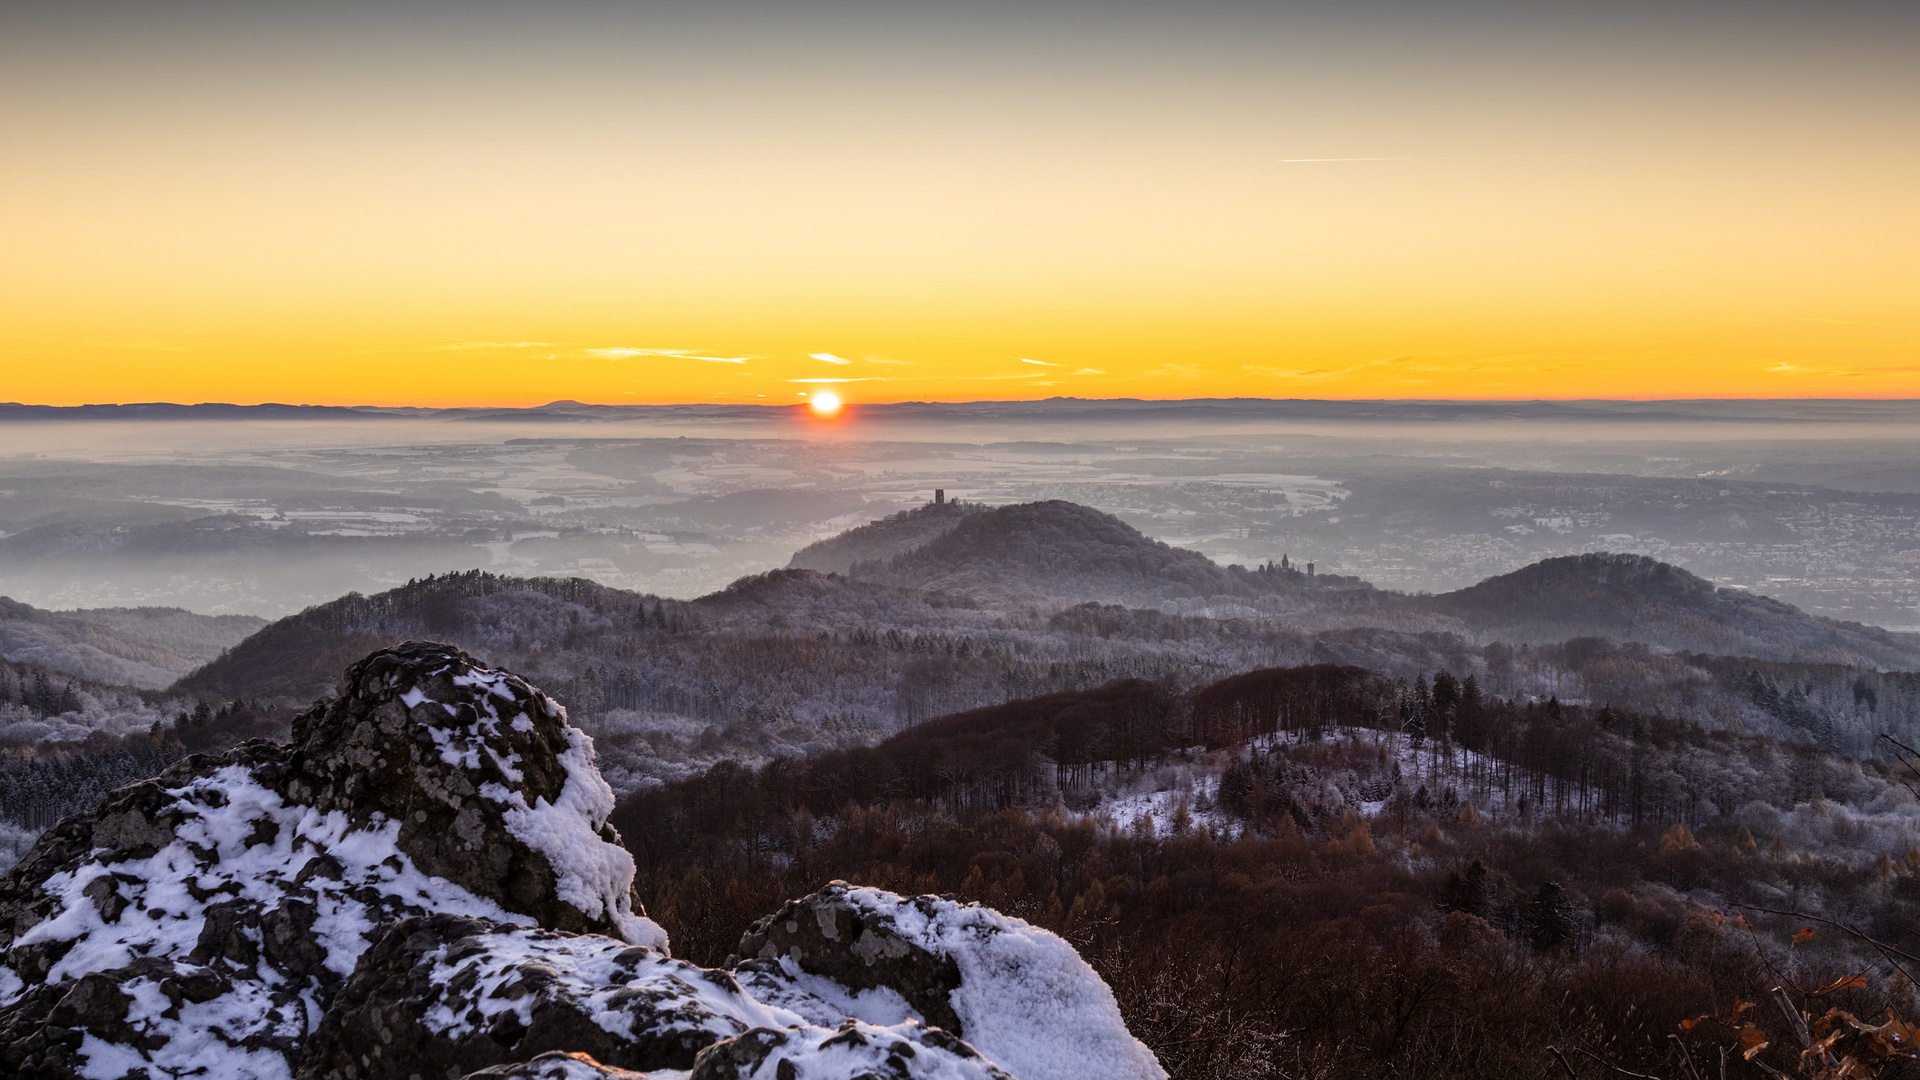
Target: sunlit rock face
<point>206,918</point>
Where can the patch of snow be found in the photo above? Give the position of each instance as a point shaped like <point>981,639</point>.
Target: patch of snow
<point>590,873</point>
<point>217,853</point>
<point>855,1048</point>
<point>1026,998</point>
<point>593,970</point>
<point>820,1000</point>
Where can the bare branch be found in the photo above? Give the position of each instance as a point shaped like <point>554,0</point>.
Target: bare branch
<point>1887,952</point>
<point>1615,1068</point>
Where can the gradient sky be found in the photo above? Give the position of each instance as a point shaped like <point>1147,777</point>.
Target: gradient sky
<point>463,203</point>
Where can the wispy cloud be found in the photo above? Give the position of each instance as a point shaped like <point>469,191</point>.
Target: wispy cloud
<point>834,380</point>
<point>884,360</point>
<point>1041,363</point>
<point>1087,371</point>
<point>1176,371</point>
<point>683,354</point>
<point>462,345</point>
<point>1414,157</point>
<point>829,358</point>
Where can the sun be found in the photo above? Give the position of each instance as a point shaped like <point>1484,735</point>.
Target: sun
<point>825,403</point>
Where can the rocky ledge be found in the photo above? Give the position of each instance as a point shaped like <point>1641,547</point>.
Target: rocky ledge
<point>422,884</point>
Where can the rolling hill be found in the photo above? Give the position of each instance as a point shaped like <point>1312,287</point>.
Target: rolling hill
<point>144,647</point>
<point>1637,598</point>
<point>1046,555</point>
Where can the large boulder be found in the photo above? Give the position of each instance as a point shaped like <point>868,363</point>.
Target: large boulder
<point>204,920</point>
<point>1017,993</point>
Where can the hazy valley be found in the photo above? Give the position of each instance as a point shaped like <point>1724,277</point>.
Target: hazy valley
<point>1441,728</point>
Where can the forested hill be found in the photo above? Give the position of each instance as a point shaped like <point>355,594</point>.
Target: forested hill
<point>795,661</point>
<point>144,647</point>
<point>1636,598</point>
<point>885,540</point>
<point>1049,554</point>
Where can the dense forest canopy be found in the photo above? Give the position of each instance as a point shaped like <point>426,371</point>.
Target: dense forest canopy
<point>1357,876</point>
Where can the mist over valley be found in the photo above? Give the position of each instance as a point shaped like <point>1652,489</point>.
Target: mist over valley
<point>1542,692</point>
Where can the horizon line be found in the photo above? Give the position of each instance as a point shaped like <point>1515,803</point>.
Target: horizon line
<point>370,407</point>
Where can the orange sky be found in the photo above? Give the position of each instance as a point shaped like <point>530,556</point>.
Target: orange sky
<point>618,211</point>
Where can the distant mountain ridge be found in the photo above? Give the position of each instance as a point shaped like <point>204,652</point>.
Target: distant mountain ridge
<point>1115,410</point>
<point>1055,552</point>
<point>972,607</point>
<point>148,648</point>
<point>1639,598</point>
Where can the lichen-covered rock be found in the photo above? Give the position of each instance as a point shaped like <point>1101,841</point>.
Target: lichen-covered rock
<point>828,959</point>
<point>491,788</point>
<point>854,1050</point>
<point>1017,993</point>
<point>204,919</point>
<point>447,995</point>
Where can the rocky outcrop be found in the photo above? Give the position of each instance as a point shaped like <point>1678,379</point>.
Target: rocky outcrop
<point>422,885</point>
<point>1019,994</point>
<point>827,936</point>
<point>206,918</point>
<point>448,995</point>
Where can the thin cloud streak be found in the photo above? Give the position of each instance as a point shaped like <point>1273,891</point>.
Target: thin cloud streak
<point>681,354</point>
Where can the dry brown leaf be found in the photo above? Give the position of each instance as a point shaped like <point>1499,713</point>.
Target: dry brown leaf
<point>1689,1025</point>
<point>1804,934</point>
<point>1739,1007</point>
<point>1843,983</point>
<point>1752,1040</point>
<point>1895,1038</point>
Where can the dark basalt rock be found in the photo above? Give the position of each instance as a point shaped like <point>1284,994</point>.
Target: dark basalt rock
<point>445,995</point>
<point>205,917</point>
<point>416,734</point>
<point>824,934</point>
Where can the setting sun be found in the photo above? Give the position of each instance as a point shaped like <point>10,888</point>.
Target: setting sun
<point>826,403</point>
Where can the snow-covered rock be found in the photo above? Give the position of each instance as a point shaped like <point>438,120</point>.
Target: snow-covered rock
<point>205,919</point>
<point>1017,993</point>
<point>422,884</point>
<point>855,1050</point>
<point>449,994</point>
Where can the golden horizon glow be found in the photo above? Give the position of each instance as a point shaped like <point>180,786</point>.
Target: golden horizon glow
<point>581,210</point>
